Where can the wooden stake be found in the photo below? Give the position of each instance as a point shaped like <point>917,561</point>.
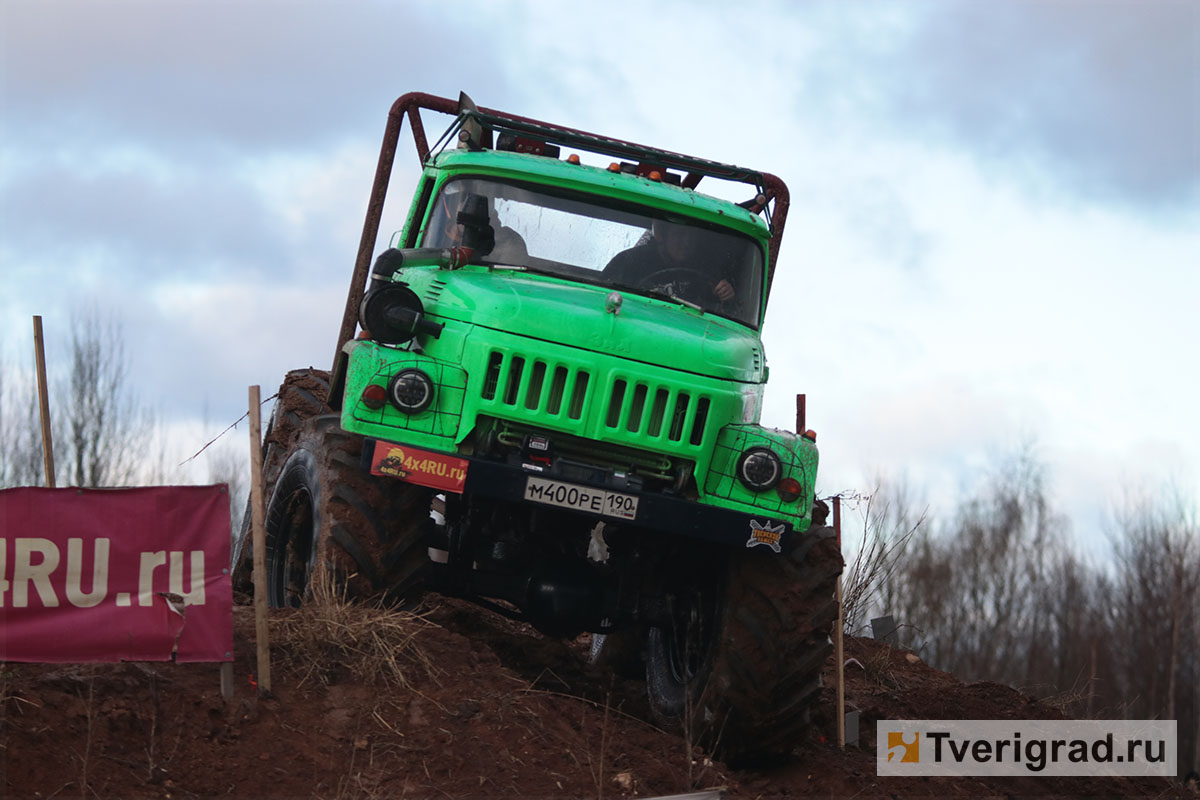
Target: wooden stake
<point>227,679</point>
<point>259,534</point>
<point>838,654</point>
<point>39,352</point>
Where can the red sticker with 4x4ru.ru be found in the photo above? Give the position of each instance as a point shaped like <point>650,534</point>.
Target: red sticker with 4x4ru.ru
<point>422,467</point>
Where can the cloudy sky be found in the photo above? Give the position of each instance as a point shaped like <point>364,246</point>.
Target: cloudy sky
<point>994,236</point>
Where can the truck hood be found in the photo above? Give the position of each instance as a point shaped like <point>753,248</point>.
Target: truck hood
<point>644,329</point>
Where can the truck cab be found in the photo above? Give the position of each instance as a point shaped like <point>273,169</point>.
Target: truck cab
<point>600,335</point>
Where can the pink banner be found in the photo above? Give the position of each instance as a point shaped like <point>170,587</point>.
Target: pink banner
<point>115,574</point>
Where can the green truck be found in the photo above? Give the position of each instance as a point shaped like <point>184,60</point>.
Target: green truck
<point>545,399</point>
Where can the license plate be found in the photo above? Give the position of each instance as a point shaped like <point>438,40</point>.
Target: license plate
<point>581,498</point>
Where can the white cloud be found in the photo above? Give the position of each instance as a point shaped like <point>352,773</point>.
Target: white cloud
<point>1026,317</point>
<point>208,341</point>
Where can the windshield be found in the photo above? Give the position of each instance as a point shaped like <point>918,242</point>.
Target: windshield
<point>627,247</point>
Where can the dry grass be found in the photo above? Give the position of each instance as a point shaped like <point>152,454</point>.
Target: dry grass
<point>878,668</point>
<point>1072,703</point>
<point>330,639</point>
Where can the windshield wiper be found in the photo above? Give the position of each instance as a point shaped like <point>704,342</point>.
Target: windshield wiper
<point>522,268</point>
<point>671,296</point>
<point>658,294</point>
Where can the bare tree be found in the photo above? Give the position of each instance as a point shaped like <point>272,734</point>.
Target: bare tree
<point>101,433</point>
<point>889,524</point>
<point>228,465</point>
<point>972,586</point>
<point>1155,615</point>
<point>998,593</point>
<point>21,461</point>
<point>107,431</point>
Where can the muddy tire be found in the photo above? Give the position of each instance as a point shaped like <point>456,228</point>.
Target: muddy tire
<point>329,523</point>
<point>327,517</point>
<point>302,395</point>
<point>741,668</point>
<point>619,651</point>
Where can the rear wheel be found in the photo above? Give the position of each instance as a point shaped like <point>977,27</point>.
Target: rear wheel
<point>329,520</point>
<point>740,665</point>
<point>680,655</point>
<point>620,651</point>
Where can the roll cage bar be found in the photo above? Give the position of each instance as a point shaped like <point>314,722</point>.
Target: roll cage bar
<point>479,123</point>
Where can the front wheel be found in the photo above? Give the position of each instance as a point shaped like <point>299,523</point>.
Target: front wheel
<point>292,531</point>
<point>739,667</point>
<point>329,520</point>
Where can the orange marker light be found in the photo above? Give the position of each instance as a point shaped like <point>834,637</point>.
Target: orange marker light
<point>788,490</point>
<point>810,434</point>
<point>374,396</point>
<point>573,158</point>
<point>655,175</point>
<point>614,167</point>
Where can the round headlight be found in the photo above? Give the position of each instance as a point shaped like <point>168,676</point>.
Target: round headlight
<point>411,390</point>
<point>759,469</point>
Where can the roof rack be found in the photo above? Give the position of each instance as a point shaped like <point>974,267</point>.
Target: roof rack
<point>603,145</point>
<point>773,191</point>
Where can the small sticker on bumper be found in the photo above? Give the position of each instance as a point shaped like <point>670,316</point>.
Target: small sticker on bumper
<point>765,533</point>
<point>422,467</point>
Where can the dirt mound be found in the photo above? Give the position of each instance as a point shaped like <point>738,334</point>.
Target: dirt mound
<point>464,703</point>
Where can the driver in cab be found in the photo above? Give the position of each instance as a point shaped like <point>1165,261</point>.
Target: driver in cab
<point>674,260</point>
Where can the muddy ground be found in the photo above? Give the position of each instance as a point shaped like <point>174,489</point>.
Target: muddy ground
<point>465,704</point>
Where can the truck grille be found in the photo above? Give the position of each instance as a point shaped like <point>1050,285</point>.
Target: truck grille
<point>633,409</point>
<point>536,386</point>
<point>656,411</point>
